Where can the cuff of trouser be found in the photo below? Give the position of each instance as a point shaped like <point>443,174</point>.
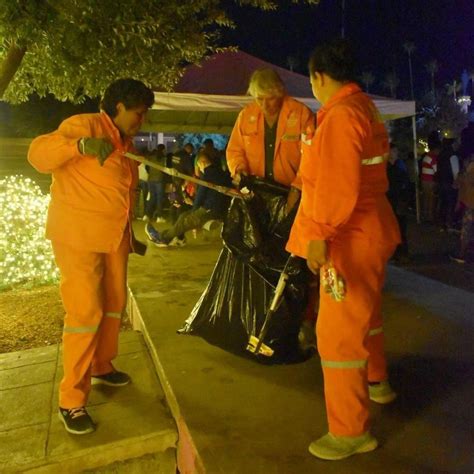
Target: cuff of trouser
<point>347,401</point>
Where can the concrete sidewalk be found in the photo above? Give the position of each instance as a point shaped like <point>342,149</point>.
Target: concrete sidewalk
<point>236,416</point>
<point>134,423</point>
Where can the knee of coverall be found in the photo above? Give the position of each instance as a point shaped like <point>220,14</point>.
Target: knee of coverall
<point>80,287</point>
<point>343,326</point>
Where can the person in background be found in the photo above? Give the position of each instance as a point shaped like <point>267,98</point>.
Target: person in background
<point>142,191</point>
<point>448,169</point>
<point>179,200</point>
<point>345,225</point>
<point>429,186</point>
<point>465,183</point>
<point>399,196</point>
<point>212,151</point>
<point>412,167</point>
<point>156,187</point>
<point>183,160</point>
<point>208,205</point>
<point>89,225</point>
<point>182,191</point>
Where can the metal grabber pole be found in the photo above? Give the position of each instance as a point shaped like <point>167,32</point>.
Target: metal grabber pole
<point>172,172</point>
<point>256,344</point>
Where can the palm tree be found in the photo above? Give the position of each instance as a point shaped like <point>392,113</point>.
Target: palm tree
<point>453,88</point>
<point>432,67</point>
<point>343,19</point>
<point>391,83</point>
<point>293,62</point>
<point>409,48</point>
<point>368,79</point>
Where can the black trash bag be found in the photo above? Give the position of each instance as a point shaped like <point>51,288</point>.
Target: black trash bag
<point>235,302</point>
<point>256,231</point>
<point>241,232</point>
<point>233,307</point>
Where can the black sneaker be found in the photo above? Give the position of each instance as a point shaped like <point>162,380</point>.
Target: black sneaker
<point>152,233</point>
<point>114,379</point>
<point>155,236</point>
<point>76,420</point>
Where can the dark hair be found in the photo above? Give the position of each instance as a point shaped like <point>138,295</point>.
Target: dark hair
<point>448,142</point>
<point>203,154</point>
<point>334,58</point>
<point>130,92</point>
<point>433,140</point>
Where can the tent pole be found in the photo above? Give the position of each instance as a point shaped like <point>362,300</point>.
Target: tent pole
<point>417,177</point>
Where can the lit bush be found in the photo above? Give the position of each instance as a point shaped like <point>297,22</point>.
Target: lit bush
<point>25,255</point>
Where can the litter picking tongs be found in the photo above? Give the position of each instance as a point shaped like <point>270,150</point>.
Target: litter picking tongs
<point>256,344</point>
<point>172,172</point>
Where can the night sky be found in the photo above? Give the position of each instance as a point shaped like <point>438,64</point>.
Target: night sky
<point>440,29</point>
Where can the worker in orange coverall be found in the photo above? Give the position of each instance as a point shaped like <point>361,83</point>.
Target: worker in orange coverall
<point>266,139</point>
<point>89,225</point>
<point>345,219</point>
<point>266,142</point>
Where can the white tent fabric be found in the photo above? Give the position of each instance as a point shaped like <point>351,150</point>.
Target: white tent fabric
<point>210,95</point>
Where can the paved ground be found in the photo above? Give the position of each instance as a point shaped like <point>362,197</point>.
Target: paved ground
<point>430,249</point>
<point>133,421</point>
<point>247,418</point>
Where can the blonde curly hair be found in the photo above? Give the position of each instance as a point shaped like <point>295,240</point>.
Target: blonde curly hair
<point>266,82</point>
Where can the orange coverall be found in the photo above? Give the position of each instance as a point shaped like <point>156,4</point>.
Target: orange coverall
<point>89,226</point>
<point>246,148</point>
<point>343,174</point>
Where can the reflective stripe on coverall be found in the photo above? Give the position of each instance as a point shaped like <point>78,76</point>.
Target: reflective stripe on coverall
<point>246,148</point>
<point>89,226</point>
<point>344,203</point>
<point>94,294</point>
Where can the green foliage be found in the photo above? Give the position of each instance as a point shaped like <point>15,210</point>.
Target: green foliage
<point>75,48</point>
<point>440,112</point>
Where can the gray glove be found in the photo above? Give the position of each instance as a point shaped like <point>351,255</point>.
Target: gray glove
<point>101,148</point>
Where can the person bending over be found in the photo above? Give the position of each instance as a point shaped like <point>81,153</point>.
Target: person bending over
<point>266,138</point>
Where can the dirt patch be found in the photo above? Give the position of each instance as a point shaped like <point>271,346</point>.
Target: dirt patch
<point>32,317</point>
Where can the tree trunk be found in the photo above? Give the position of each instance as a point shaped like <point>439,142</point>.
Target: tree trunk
<point>411,77</point>
<point>10,65</point>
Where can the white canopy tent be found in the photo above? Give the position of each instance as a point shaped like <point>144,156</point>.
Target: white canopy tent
<point>209,96</point>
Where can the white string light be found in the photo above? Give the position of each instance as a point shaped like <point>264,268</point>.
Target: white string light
<point>25,255</point>
<point>464,102</point>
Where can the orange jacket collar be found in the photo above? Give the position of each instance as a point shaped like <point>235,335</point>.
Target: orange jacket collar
<point>345,91</point>
<point>114,132</point>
